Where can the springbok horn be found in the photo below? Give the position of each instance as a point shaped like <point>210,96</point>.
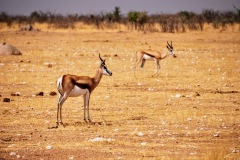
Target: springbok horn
<point>168,44</point>
<point>100,57</point>
<point>168,47</point>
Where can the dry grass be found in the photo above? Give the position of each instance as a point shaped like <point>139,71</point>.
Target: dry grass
<point>134,118</point>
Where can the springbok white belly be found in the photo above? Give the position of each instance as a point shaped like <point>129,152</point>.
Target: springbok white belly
<point>76,92</point>
<point>147,57</point>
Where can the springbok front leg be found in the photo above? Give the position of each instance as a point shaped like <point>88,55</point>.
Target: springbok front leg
<point>158,68</point>
<point>135,66</point>
<point>86,106</point>
<point>138,61</point>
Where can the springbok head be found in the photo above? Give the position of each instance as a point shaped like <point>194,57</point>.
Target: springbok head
<point>170,49</point>
<point>103,66</point>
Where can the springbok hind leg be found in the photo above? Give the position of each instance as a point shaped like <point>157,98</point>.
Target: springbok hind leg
<point>62,99</point>
<point>58,107</point>
<point>143,62</point>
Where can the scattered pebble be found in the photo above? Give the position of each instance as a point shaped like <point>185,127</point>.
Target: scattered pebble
<point>100,139</point>
<point>12,153</point>
<point>143,143</point>
<point>49,147</point>
<point>6,100</point>
<point>235,150</point>
<point>217,134</point>
<point>40,94</point>
<point>53,93</point>
<point>140,134</point>
<point>16,94</point>
<point>71,157</point>
<point>178,95</point>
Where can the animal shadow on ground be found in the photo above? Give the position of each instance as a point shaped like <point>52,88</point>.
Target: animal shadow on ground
<point>80,124</point>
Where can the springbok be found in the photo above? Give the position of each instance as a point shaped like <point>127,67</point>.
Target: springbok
<point>75,86</point>
<point>149,54</point>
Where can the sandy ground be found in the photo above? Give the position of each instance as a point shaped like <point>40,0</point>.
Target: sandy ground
<point>189,111</point>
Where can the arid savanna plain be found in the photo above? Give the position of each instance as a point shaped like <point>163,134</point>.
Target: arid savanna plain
<point>190,110</point>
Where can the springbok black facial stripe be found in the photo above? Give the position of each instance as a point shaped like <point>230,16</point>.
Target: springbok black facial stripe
<point>106,69</point>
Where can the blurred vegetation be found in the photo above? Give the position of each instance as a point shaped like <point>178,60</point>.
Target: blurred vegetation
<point>135,20</point>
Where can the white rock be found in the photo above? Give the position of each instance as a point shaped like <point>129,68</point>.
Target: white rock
<point>143,143</point>
<point>217,134</point>
<point>49,147</point>
<point>178,95</point>
<point>140,134</point>
<point>12,153</point>
<point>235,150</point>
<point>100,139</point>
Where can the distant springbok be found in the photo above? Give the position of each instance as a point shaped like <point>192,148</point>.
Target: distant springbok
<point>75,86</point>
<point>149,54</point>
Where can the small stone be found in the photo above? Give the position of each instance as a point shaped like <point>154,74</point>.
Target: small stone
<point>178,95</point>
<point>49,147</point>
<point>16,94</point>
<point>6,100</point>
<point>140,134</point>
<point>12,153</point>
<point>52,93</point>
<point>196,94</point>
<point>235,150</point>
<point>217,134</point>
<point>143,143</point>
<point>40,94</point>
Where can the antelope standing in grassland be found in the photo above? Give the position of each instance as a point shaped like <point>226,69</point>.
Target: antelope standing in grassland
<point>149,54</point>
<point>75,86</point>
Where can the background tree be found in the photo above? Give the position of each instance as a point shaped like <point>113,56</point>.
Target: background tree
<point>138,19</point>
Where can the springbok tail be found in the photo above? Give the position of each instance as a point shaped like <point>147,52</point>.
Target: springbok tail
<point>59,85</point>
